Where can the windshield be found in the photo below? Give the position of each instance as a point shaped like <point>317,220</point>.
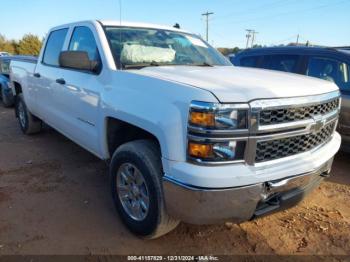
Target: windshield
<point>140,47</point>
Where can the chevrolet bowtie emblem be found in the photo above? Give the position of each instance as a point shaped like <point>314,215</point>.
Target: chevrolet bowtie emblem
<point>318,124</point>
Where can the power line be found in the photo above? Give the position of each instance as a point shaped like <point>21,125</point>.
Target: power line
<point>258,8</point>
<point>298,37</point>
<point>284,40</point>
<point>289,12</point>
<point>207,14</point>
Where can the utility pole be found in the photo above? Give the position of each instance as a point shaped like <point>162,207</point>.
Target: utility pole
<point>297,39</point>
<point>120,12</point>
<point>248,35</point>
<point>207,14</point>
<point>253,37</point>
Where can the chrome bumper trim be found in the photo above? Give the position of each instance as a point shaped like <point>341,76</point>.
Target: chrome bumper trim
<point>263,104</point>
<point>208,206</point>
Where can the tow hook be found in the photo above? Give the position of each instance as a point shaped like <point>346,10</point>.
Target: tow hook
<point>326,174</point>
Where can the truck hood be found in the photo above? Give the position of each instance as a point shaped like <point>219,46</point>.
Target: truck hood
<point>238,84</point>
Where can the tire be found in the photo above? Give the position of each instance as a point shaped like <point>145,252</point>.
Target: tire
<point>140,157</point>
<point>28,123</point>
<point>5,100</point>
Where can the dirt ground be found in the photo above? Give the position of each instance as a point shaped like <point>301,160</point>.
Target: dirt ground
<point>55,199</point>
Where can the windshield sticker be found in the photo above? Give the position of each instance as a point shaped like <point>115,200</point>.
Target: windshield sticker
<point>196,41</point>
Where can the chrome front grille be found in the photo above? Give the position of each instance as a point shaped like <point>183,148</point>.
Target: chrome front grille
<point>285,115</point>
<point>286,127</point>
<point>275,129</point>
<point>279,148</point>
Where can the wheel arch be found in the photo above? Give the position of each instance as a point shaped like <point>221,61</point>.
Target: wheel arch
<point>118,132</point>
<point>17,88</point>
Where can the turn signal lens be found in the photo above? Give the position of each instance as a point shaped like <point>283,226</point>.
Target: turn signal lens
<point>216,151</point>
<point>202,119</point>
<point>200,150</point>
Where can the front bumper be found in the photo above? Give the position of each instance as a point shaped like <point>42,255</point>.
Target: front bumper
<point>197,205</point>
<point>9,95</point>
<point>345,143</point>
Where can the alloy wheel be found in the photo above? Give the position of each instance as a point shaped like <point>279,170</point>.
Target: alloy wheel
<point>132,191</point>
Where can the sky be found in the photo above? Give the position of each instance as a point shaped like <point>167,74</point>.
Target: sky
<point>322,22</point>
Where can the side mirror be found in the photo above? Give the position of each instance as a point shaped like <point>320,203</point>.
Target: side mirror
<point>77,60</point>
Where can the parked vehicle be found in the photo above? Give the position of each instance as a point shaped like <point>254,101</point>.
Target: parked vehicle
<point>5,90</point>
<point>4,54</point>
<point>326,63</point>
<point>189,137</point>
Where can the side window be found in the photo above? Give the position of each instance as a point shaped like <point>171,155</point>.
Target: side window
<point>249,61</point>
<point>285,63</point>
<point>54,46</point>
<point>5,67</point>
<point>232,59</point>
<point>329,69</point>
<point>344,81</point>
<point>83,40</point>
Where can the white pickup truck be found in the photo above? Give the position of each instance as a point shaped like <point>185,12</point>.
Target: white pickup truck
<point>189,137</point>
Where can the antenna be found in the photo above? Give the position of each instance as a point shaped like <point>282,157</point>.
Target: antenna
<point>120,12</point>
<point>120,30</point>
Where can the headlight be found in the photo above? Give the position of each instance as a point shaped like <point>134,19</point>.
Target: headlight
<point>218,116</point>
<point>216,132</point>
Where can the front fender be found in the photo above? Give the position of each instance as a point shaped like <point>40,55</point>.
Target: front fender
<point>157,106</point>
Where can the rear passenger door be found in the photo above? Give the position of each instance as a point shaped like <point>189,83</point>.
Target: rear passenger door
<point>338,72</point>
<point>45,75</point>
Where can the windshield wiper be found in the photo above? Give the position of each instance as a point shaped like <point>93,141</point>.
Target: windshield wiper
<point>203,64</point>
<point>141,65</point>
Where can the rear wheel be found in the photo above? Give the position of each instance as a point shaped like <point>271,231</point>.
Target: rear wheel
<point>29,123</point>
<point>136,181</point>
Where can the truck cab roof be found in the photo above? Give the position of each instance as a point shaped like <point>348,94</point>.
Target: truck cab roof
<point>123,24</point>
<point>138,24</point>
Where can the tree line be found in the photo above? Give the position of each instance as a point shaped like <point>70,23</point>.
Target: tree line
<point>227,51</point>
<point>29,44</point>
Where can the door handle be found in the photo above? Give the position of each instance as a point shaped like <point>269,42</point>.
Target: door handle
<point>61,81</point>
<point>37,75</point>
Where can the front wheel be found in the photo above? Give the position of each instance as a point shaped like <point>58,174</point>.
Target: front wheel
<point>136,181</point>
<point>29,123</point>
